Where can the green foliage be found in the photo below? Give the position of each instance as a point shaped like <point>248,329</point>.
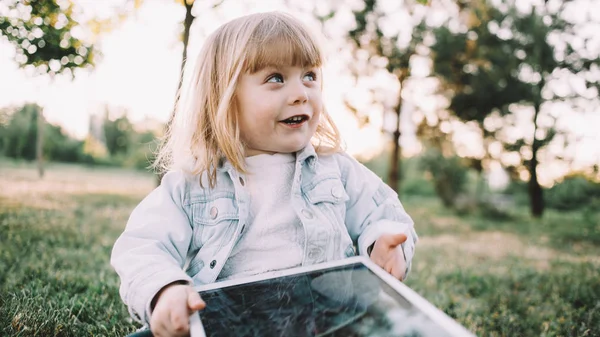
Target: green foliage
<point>573,193</point>
<point>143,151</point>
<point>58,146</point>
<point>42,33</point>
<point>126,147</point>
<point>375,47</point>
<point>118,135</point>
<point>495,208</point>
<point>414,180</point>
<point>480,69</point>
<point>368,36</point>
<point>449,175</point>
<point>19,136</point>
<point>518,190</point>
<point>482,73</point>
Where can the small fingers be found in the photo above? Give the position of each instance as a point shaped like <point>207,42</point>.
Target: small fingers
<point>389,266</point>
<point>397,239</point>
<point>194,302</point>
<point>391,240</point>
<point>397,273</point>
<point>179,321</point>
<point>158,328</point>
<point>379,259</point>
<point>395,268</point>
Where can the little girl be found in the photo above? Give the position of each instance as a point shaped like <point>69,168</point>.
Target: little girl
<point>256,180</point>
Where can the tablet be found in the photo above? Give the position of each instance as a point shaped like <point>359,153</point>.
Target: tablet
<point>350,297</point>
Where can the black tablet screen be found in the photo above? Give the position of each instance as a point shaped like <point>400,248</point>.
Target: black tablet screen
<point>342,301</point>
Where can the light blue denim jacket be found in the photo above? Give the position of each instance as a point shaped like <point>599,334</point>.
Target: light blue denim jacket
<point>182,231</point>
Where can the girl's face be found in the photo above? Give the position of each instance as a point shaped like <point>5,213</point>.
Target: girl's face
<point>279,109</point>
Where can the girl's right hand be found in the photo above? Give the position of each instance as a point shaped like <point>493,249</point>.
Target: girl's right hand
<point>174,305</point>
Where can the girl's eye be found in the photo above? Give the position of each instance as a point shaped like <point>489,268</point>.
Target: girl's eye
<point>310,76</point>
<point>275,78</point>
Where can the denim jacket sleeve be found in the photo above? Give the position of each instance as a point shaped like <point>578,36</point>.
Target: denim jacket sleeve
<point>151,252</point>
<point>373,209</point>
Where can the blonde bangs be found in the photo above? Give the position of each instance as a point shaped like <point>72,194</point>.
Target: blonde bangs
<point>279,41</point>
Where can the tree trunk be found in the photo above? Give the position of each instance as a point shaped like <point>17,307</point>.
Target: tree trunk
<point>536,196</point>
<point>480,187</point>
<point>187,24</point>
<point>39,146</point>
<point>394,174</point>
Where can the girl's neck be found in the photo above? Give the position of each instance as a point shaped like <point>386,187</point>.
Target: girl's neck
<point>266,159</point>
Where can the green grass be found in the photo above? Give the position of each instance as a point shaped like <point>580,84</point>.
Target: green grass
<point>515,277</point>
<point>56,236</point>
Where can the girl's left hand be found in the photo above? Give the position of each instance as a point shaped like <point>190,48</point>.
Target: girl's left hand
<point>388,254</point>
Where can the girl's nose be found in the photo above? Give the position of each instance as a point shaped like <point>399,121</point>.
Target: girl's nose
<point>298,94</point>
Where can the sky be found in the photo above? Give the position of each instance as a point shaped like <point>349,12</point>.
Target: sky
<point>139,69</point>
<point>140,66</point>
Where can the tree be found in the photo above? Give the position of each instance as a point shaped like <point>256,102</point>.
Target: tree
<point>386,50</point>
<point>473,94</point>
<point>188,20</point>
<point>185,38</point>
<point>118,134</point>
<point>505,61</point>
<point>19,137</point>
<point>44,36</point>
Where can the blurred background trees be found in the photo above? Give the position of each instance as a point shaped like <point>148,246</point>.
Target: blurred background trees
<point>496,82</point>
<point>374,49</point>
<point>112,141</point>
<point>504,63</point>
<point>47,42</point>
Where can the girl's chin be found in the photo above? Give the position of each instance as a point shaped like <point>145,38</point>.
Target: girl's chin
<point>286,144</point>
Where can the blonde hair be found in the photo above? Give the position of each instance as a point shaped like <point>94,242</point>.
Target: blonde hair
<point>204,130</point>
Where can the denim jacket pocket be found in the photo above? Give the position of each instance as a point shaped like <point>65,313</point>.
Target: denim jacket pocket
<point>330,190</point>
<point>328,196</point>
<point>214,212</point>
<point>214,222</point>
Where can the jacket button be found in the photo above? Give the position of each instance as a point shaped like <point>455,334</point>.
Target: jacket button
<point>337,192</point>
<point>214,212</point>
<point>307,214</point>
<point>213,263</point>
<point>242,181</point>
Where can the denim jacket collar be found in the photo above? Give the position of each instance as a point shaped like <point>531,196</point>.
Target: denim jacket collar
<point>307,155</point>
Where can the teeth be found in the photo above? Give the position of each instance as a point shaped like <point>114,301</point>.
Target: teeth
<point>296,118</point>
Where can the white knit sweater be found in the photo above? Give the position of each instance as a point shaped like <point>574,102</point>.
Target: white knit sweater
<point>273,238</point>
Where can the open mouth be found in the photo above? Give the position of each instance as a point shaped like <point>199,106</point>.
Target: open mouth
<point>295,120</point>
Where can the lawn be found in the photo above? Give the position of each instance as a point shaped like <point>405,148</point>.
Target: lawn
<point>511,277</point>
